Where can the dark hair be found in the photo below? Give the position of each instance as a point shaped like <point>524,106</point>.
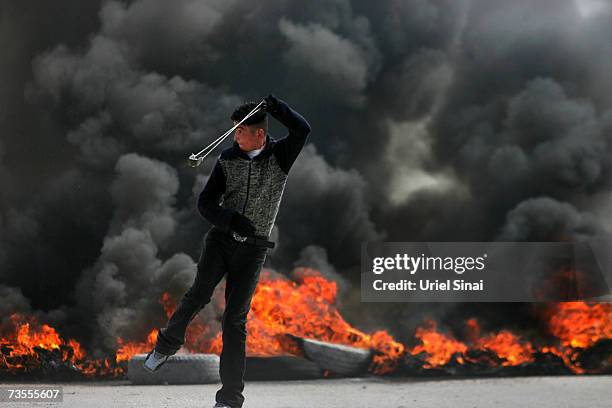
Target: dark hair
<point>258,120</point>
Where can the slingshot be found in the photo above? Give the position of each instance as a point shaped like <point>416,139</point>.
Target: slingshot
<point>196,158</point>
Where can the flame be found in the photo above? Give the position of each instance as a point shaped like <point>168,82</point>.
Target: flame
<point>578,325</point>
<point>168,304</point>
<point>27,336</point>
<point>505,345</point>
<point>22,348</point>
<point>307,307</point>
<point>438,347</point>
<point>127,350</point>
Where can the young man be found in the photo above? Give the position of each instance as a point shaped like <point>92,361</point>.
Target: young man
<point>241,199</point>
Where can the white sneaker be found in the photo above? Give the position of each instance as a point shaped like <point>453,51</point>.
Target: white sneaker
<point>154,360</point>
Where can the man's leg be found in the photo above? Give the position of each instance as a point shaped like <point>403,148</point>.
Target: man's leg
<point>211,268</point>
<point>241,281</point>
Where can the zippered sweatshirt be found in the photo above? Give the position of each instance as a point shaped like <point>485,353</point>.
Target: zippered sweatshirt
<point>254,187</point>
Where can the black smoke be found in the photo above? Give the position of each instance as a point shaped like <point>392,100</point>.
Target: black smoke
<point>433,120</point>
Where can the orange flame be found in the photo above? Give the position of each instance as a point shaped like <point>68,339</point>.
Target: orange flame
<point>307,308</point>
<point>129,349</point>
<point>505,345</point>
<point>578,325</point>
<point>20,348</point>
<point>438,347</point>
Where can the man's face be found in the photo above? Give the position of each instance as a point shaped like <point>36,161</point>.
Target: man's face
<point>249,138</point>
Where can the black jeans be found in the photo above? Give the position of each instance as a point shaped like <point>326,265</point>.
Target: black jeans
<point>242,263</point>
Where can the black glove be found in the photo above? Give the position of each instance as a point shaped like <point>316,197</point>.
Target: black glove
<point>242,225</point>
<point>272,104</point>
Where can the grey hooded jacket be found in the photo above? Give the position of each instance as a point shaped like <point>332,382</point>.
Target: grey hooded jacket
<point>254,187</point>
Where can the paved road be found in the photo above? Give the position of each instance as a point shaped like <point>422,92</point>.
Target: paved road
<point>540,392</point>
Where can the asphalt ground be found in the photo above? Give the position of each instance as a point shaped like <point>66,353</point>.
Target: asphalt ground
<point>371,392</point>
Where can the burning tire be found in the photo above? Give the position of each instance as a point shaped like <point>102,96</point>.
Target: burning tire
<point>337,358</point>
<point>280,368</point>
<point>179,369</point>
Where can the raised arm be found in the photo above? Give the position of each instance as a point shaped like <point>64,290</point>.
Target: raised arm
<point>288,148</point>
